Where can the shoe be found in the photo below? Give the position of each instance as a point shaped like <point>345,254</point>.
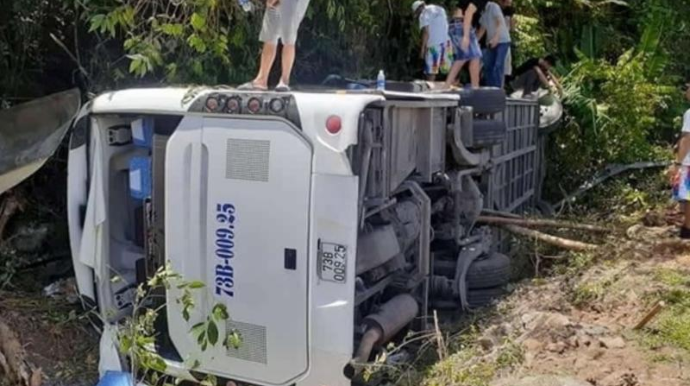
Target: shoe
<point>684,233</point>
<point>250,86</point>
<point>282,87</point>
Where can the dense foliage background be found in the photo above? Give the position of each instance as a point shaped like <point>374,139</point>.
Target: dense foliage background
<point>622,61</point>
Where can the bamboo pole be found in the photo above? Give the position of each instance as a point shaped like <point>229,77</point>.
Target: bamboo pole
<point>536,223</point>
<point>549,239</point>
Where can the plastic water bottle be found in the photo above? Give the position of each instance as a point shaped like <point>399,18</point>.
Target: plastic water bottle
<point>246,5</point>
<point>381,81</point>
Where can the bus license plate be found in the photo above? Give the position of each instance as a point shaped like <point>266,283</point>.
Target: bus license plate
<point>333,262</point>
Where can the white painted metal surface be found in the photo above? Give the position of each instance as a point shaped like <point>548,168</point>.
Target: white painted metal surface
<point>77,195</point>
<point>237,218</point>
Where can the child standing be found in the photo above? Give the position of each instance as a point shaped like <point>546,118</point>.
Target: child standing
<point>436,49</point>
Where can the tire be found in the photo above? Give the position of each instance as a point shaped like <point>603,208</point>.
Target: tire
<point>487,100</point>
<point>484,297</point>
<point>488,132</point>
<point>493,271</point>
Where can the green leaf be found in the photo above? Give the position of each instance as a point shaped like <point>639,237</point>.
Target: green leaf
<point>175,29</point>
<point>197,43</point>
<point>198,329</point>
<point>110,24</point>
<point>135,66</point>
<point>197,68</point>
<point>127,17</point>
<point>196,284</point>
<point>158,364</point>
<point>220,312</point>
<point>96,22</point>
<point>155,377</point>
<point>212,332</point>
<point>198,22</point>
<point>128,45</point>
<point>125,343</point>
<point>234,340</point>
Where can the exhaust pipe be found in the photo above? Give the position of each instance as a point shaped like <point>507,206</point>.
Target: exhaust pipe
<point>381,328</point>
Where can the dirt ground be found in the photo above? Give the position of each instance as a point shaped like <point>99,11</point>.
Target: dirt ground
<point>577,327</point>
<point>593,341</point>
<point>56,337</point>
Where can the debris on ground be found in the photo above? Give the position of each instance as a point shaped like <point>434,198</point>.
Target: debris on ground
<point>54,336</point>
<point>14,366</point>
<point>10,204</point>
<point>63,289</point>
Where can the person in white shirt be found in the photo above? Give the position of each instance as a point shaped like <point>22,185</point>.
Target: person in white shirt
<point>680,171</point>
<point>436,49</point>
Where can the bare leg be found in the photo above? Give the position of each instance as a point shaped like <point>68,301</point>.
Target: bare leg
<point>454,71</point>
<point>475,68</point>
<point>288,60</point>
<point>268,55</point>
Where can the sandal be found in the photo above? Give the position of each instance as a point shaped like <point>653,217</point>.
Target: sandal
<point>282,87</point>
<point>249,86</point>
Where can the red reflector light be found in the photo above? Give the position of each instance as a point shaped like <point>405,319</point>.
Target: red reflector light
<point>233,105</point>
<point>254,105</point>
<point>334,124</point>
<point>211,104</point>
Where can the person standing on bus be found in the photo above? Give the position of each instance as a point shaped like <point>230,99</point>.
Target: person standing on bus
<point>473,54</point>
<point>281,23</point>
<point>436,48</point>
<point>493,24</point>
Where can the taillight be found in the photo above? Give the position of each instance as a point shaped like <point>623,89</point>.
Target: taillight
<point>254,105</point>
<point>211,104</point>
<point>334,124</point>
<point>277,105</point>
<point>233,105</point>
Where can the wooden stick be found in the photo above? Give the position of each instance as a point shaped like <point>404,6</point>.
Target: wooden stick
<point>8,208</point>
<point>498,213</point>
<point>439,339</point>
<point>534,223</point>
<point>650,315</point>
<point>13,363</point>
<point>553,240</point>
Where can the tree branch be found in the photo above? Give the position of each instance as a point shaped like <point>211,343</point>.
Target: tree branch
<point>536,223</point>
<point>549,239</point>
